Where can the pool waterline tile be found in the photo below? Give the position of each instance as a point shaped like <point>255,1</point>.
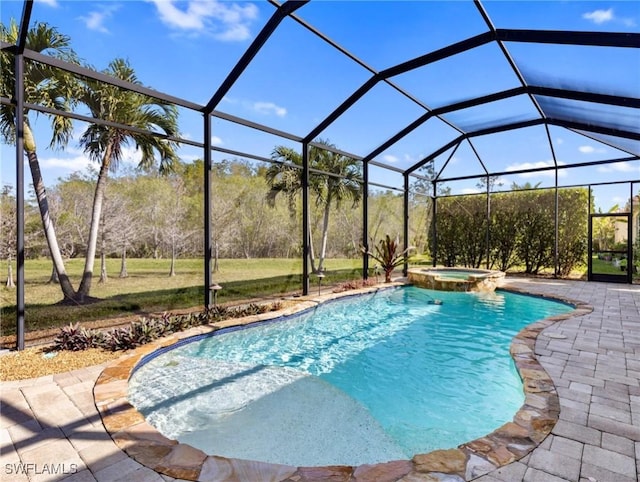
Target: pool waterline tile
<point>514,440</point>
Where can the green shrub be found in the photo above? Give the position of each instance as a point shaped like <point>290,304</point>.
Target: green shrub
<point>146,330</point>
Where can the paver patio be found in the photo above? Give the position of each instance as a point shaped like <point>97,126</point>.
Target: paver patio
<point>50,429</point>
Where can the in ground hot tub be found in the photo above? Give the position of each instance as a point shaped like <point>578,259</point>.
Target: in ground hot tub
<point>456,279</point>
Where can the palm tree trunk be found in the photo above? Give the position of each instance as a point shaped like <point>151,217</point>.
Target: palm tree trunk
<point>103,259</point>
<point>325,231</point>
<point>312,256</point>
<point>47,224</point>
<point>54,278</point>
<point>92,242</point>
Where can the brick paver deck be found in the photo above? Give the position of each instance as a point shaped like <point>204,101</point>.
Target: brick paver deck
<point>50,429</point>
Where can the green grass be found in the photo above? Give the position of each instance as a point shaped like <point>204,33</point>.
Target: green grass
<point>601,266</point>
<point>149,289</point>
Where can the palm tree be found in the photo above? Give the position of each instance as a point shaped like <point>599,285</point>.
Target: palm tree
<point>104,143</point>
<point>343,183</point>
<point>49,87</point>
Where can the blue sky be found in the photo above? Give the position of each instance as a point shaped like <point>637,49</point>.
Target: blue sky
<point>186,48</point>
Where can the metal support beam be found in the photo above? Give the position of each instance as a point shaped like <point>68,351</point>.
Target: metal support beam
<point>589,236</point>
<point>20,194</point>
<point>630,262</point>
<point>594,97</point>
<point>564,37</point>
<point>434,231</point>
<point>305,219</point>
<point>440,54</point>
<point>25,19</point>
<point>405,225</point>
<point>207,212</point>
<point>20,276</point>
<point>556,211</point>
<point>607,131</point>
<point>488,234</point>
<point>365,220</point>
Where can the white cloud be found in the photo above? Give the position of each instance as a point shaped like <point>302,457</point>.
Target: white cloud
<point>262,107</point>
<point>623,166</point>
<point>628,22</point>
<point>390,158</point>
<point>235,33</point>
<point>603,16</point>
<point>51,3</point>
<point>216,141</point>
<point>537,165</point>
<point>269,108</point>
<point>599,16</point>
<point>591,150</point>
<point>471,190</point>
<point>77,162</point>
<point>190,157</point>
<point>95,20</point>
<point>226,21</point>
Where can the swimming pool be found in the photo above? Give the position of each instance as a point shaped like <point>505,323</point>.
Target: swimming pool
<point>363,380</point>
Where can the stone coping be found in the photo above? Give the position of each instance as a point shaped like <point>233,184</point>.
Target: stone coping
<point>510,442</point>
<point>486,280</point>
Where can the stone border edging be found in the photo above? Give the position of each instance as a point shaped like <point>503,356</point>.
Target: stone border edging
<point>510,442</point>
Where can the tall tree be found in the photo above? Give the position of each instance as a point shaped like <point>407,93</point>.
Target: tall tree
<point>48,87</point>
<point>8,230</point>
<point>105,143</point>
<point>342,182</point>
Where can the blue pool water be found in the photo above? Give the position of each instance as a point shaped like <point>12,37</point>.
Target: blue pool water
<point>365,379</point>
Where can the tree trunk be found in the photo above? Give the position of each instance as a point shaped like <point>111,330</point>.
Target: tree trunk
<point>325,231</point>
<point>103,259</point>
<point>216,253</point>
<point>123,261</point>
<point>172,271</point>
<point>10,282</point>
<point>98,197</point>
<point>47,224</point>
<point>103,268</point>
<point>312,257</point>
<point>54,278</point>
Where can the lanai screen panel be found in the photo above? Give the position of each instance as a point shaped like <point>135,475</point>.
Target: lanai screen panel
<point>514,150</point>
<point>157,38</point>
<point>630,146</point>
<point>473,73</point>
<point>294,82</point>
<point>616,15</point>
<point>234,137</point>
<point>384,34</point>
<point>381,113</point>
<point>573,147</point>
<point>494,114</point>
<point>461,162</point>
<point>419,143</point>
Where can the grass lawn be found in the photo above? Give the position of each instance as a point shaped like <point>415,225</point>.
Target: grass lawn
<point>600,266</point>
<point>149,288</point>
